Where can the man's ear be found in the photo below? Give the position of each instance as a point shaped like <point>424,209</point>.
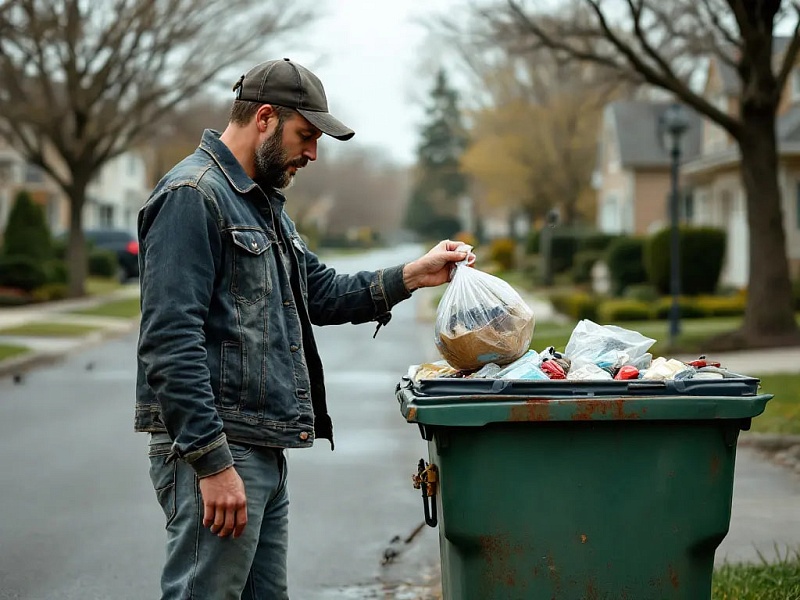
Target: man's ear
<point>266,118</point>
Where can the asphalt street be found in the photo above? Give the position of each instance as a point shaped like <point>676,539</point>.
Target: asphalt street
<point>80,519</point>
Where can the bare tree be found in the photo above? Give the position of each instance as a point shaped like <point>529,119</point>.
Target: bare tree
<point>660,43</point>
<point>82,80</point>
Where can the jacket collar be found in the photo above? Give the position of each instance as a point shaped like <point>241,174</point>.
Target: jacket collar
<point>222,155</point>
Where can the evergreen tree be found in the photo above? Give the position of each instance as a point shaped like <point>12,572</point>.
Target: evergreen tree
<point>26,232</point>
<point>439,181</point>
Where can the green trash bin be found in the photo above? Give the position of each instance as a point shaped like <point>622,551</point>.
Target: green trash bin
<point>579,490</point>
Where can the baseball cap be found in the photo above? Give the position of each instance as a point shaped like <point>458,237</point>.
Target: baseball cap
<point>286,83</point>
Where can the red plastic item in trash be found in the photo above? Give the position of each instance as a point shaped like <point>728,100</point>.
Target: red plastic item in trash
<point>627,372</point>
<point>553,370</point>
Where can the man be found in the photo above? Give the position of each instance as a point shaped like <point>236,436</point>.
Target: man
<point>228,371</point>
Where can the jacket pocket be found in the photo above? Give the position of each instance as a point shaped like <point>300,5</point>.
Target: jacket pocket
<point>251,281</point>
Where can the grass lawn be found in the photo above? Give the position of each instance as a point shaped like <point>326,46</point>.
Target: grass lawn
<point>44,329</point>
<point>777,581</point>
<point>8,351</point>
<point>127,308</point>
<point>96,286</point>
<point>782,414</point>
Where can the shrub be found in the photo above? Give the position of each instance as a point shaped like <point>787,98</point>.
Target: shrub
<point>563,246</point>
<point>583,263</point>
<point>721,306</point>
<point>625,263</point>
<point>103,263</point>
<point>612,311</point>
<point>576,306</point>
<point>27,234</point>
<point>643,292</point>
<point>50,292</point>
<point>702,251</point>
<point>56,271</point>
<point>597,241</point>
<point>502,251</point>
<point>22,272</point>
<point>689,308</point>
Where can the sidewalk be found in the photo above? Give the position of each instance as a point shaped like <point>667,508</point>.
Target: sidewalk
<point>46,350</point>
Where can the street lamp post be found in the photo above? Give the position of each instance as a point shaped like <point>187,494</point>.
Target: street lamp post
<point>676,123</point>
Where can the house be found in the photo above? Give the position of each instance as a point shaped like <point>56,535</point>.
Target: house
<point>632,178</point>
<point>113,197</point>
<point>633,173</point>
<point>714,176</point>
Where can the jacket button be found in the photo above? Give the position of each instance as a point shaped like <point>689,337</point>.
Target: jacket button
<point>304,436</point>
<point>287,303</point>
<point>293,348</point>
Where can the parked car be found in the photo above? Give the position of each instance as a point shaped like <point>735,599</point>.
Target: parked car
<point>121,241</point>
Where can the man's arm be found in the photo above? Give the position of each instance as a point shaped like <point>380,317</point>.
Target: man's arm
<point>365,296</point>
<point>180,247</point>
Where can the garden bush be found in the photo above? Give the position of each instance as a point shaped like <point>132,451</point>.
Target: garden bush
<point>26,233</point>
<point>22,272</point>
<point>689,308</point>
<point>103,263</point>
<point>612,311</point>
<point>624,258</point>
<point>577,306</point>
<point>702,251</point>
<point>501,251</point>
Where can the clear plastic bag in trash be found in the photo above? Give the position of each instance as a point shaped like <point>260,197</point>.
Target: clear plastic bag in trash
<point>525,367</point>
<point>606,346</point>
<point>481,319</point>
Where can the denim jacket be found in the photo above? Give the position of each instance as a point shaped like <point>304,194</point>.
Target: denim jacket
<point>226,348</point>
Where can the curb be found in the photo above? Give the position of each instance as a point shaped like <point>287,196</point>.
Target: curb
<point>29,361</point>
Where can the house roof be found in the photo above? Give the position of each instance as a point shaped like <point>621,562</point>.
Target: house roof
<point>730,78</point>
<point>640,137</point>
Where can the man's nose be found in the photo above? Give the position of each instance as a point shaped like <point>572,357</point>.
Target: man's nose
<point>310,151</point>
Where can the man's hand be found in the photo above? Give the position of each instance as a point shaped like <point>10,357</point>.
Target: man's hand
<point>224,503</point>
<point>434,268</point>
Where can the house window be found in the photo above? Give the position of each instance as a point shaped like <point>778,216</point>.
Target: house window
<point>105,215</point>
<point>33,174</point>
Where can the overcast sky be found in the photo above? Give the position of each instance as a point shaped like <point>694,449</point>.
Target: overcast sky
<point>376,64</point>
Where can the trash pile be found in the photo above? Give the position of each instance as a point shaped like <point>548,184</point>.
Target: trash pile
<point>594,353</point>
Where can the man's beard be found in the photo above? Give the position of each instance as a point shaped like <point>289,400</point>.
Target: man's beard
<point>272,163</point>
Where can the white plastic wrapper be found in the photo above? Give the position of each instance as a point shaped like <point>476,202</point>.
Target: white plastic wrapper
<point>481,319</point>
<point>606,346</point>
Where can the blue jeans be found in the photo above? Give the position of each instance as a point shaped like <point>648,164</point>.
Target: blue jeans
<point>201,565</point>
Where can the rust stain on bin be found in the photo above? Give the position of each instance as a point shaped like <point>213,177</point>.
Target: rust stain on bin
<point>412,414</point>
<point>534,409</point>
<point>673,578</point>
<point>497,551</point>
<point>589,409</point>
<point>715,464</point>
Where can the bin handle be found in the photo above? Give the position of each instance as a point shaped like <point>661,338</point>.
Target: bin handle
<point>425,479</point>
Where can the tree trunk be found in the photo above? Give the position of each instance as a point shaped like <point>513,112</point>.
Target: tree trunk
<point>769,316</point>
<point>77,262</point>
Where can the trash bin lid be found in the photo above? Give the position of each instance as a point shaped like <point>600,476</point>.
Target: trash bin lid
<point>495,401</point>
